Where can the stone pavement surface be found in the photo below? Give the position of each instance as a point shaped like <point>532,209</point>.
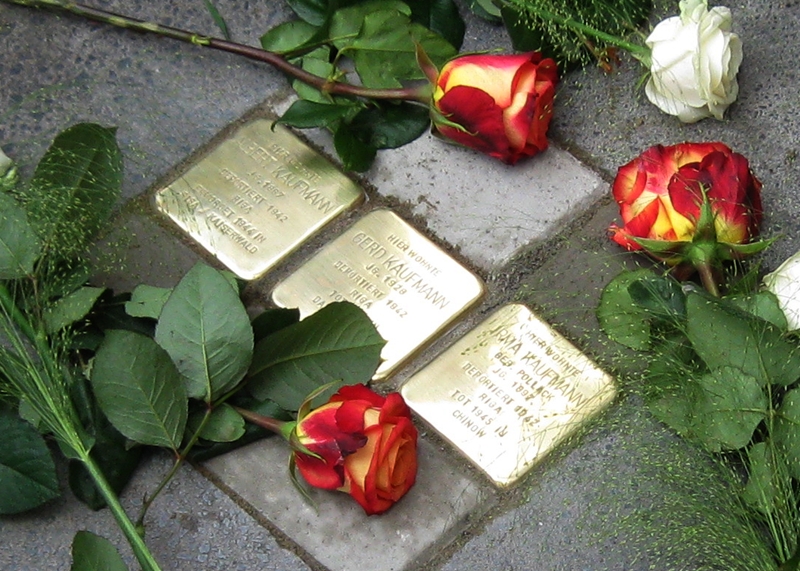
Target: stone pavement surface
<point>534,232</point>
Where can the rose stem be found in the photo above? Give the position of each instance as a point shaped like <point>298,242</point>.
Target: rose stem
<point>707,278</point>
<point>323,84</point>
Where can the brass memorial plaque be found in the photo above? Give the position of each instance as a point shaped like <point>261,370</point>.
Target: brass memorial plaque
<point>409,287</point>
<point>256,197</point>
<point>508,392</point>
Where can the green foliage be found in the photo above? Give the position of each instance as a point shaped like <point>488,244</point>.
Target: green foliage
<point>27,473</point>
<point>74,189</point>
<point>91,552</point>
<point>71,308</point>
<point>139,389</point>
<point>19,246</point>
<point>147,301</point>
<point>541,25</point>
<point>337,343</point>
<point>620,317</point>
<point>379,39</point>
<point>207,333</point>
<point>724,373</point>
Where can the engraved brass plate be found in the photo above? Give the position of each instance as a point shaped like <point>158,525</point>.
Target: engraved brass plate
<point>410,288</point>
<point>508,392</point>
<point>256,197</point>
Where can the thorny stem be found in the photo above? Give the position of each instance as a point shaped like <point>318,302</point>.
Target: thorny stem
<point>323,84</point>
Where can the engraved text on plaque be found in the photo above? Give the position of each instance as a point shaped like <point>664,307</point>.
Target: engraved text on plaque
<point>410,288</point>
<point>256,197</point>
<point>508,392</point>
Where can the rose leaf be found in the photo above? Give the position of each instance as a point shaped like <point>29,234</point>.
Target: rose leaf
<point>206,331</point>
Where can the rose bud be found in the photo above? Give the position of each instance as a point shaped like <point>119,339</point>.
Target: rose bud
<point>500,105</point>
<point>692,204</point>
<point>694,61</point>
<point>784,283</point>
<point>359,443</point>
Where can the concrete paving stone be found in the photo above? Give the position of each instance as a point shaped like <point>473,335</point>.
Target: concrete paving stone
<point>168,99</point>
<point>191,525</point>
<point>335,531</point>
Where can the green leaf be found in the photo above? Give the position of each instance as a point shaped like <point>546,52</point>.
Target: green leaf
<point>728,408</point>
<point>272,320</point>
<point>622,319</point>
<point>112,452</point>
<point>305,114</point>
<point>147,301</point>
<point>389,126</point>
<point>337,342</point>
<point>19,246</point>
<point>385,54</point>
<point>724,336</point>
<point>74,189</point>
<point>763,305</point>
<point>27,473</point>
<point>70,309</point>
<point>760,490</point>
<point>485,9</point>
<point>317,63</point>
<point>346,23</point>
<point>224,425</point>
<point>205,450</point>
<point>669,389</point>
<point>139,389</point>
<point>356,155</point>
<point>218,19</point>
<point>91,552</point>
<point>206,331</point>
<point>661,296</point>
<point>786,430</point>
<point>312,11</point>
<point>288,36</point>
<point>440,16</point>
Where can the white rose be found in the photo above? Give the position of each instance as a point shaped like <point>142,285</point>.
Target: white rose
<point>785,284</point>
<point>5,164</point>
<point>694,61</point>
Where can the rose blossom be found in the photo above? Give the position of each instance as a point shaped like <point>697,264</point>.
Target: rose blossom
<point>366,446</point>
<point>500,105</point>
<point>785,284</point>
<point>694,61</point>
<point>660,194</point>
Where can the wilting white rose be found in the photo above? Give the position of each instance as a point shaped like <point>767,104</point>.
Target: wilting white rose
<point>785,284</point>
<point>694,61</point>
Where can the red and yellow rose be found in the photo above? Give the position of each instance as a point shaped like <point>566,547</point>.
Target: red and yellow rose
<point>500,105</point>
<point>360,443</point>
<point>661,194</point>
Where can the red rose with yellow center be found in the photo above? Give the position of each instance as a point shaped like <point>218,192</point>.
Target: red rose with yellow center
<point>500,105</point>
<point>365,445</point>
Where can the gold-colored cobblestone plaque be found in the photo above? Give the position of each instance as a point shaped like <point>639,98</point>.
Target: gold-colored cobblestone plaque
<point>256,197</point>
<point>508,392</point>
<point>410,288</point>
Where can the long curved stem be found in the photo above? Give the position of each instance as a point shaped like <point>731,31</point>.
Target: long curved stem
<point>140,549</point>
<point>276,60</point>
